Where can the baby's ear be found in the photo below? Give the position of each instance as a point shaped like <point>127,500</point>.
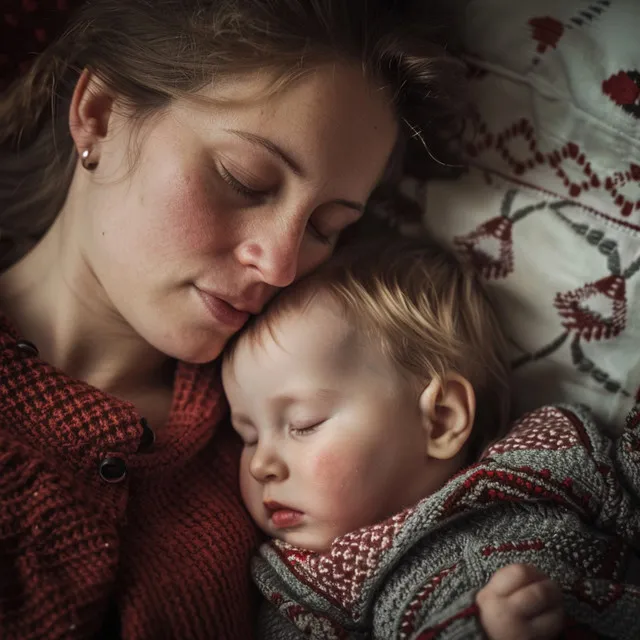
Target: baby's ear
<point>448,409</point>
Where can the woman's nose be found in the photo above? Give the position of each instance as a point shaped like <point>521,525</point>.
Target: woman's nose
<point>266,465</point>
<point>276,253</point>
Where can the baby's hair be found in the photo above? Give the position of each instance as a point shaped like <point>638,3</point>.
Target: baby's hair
<point>423,309</point>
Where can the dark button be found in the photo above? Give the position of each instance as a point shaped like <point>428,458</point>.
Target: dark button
<point>113,469</point>
<point>148,437</point>
<point>27,348</point>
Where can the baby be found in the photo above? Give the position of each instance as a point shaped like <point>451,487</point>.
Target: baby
<point>362,395</point>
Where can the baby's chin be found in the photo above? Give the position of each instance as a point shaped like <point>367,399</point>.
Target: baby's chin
<point>307,540</point>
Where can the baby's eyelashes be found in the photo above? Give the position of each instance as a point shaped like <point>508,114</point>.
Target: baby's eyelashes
<point>305,429</point>
<point>298,428</point>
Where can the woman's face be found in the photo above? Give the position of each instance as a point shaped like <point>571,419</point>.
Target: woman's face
<point>227,203</point>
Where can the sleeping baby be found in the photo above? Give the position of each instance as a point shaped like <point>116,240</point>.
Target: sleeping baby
<point>372,401</point>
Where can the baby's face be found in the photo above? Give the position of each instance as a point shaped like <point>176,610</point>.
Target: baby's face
<point>333,435</point>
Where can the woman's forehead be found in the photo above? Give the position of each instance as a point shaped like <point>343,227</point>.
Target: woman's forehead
<point>332,124</point>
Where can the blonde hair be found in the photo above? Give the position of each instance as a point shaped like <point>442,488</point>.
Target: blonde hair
<point>423,309</point>
<point>149,54</point>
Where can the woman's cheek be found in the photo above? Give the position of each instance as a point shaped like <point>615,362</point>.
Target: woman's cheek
<point>194,215</point>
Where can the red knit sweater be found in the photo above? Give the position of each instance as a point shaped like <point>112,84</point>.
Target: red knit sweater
<point>169,543</point>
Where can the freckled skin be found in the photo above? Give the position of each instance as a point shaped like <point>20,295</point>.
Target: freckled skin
<point>148,235</point>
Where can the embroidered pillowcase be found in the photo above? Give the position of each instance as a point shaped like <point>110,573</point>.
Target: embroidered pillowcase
<point>549,212</point>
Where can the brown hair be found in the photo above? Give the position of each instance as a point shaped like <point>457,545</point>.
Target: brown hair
<point>150,53</point>
<point>423,309</point>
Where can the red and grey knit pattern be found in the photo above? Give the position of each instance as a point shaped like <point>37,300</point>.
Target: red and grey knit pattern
<point>555,493</point>
<point>169,542</point>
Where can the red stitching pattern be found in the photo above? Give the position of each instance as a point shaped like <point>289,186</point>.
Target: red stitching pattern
<point>570,153</point>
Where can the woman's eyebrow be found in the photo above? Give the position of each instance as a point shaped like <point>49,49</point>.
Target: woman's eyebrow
<point>271,147</point>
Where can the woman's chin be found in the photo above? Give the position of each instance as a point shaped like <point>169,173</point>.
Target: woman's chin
<point>200,351</point>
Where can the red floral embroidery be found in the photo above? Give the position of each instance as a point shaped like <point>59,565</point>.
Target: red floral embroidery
<point>621,88</point>
<point>547,31</point>
<point>624,89</point>
<point>489,266</point>
<point>512,136</point>
<point>587,323</point>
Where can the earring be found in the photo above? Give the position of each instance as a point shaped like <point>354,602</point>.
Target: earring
<point>87,162</point>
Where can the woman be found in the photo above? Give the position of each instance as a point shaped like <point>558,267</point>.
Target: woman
<point>164,168</point>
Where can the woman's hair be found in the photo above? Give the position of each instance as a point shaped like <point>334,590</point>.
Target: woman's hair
<point>423,309</point>
<point>150,52</point>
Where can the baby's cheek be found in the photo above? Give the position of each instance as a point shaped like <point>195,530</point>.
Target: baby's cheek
<point>345,496</point>
<point>333,474</point>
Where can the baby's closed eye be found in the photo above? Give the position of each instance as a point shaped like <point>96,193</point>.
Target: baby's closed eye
<point>305,428</point>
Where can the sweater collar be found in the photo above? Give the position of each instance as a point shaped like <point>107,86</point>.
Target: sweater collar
<point>81,424</point>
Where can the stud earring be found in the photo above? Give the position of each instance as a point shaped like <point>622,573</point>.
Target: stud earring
<point>88,163</point>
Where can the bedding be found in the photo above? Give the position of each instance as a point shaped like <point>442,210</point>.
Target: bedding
<point>549,209</point>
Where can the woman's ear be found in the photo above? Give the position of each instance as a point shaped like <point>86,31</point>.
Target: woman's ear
<point>89,112</point>
<point>448,409</point>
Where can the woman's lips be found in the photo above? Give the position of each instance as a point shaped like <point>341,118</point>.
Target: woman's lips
<point>222,311</point>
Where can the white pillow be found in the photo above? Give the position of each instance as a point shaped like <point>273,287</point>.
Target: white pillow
<point>550,209</point>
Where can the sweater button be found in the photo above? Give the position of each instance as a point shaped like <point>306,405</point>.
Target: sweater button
<point>27,348</point>
<point>148,438</point>
<point>113,469</point>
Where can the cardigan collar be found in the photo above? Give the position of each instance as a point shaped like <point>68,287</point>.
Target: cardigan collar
<point>82,425</point>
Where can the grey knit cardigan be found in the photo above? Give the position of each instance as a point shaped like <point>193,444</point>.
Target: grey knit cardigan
<point>556,493</point>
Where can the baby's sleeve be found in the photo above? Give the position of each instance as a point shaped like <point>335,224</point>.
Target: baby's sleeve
<point>617,465</point>
<point>272,625</point>
<point>562,457</point>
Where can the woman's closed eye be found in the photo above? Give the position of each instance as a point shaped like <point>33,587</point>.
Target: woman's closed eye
<point>329,221</point>
<point>319,236</point>
<point>258,196</point>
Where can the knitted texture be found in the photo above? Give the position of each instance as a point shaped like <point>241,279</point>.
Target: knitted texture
<point>555,493</point>
<point>170,544</point>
